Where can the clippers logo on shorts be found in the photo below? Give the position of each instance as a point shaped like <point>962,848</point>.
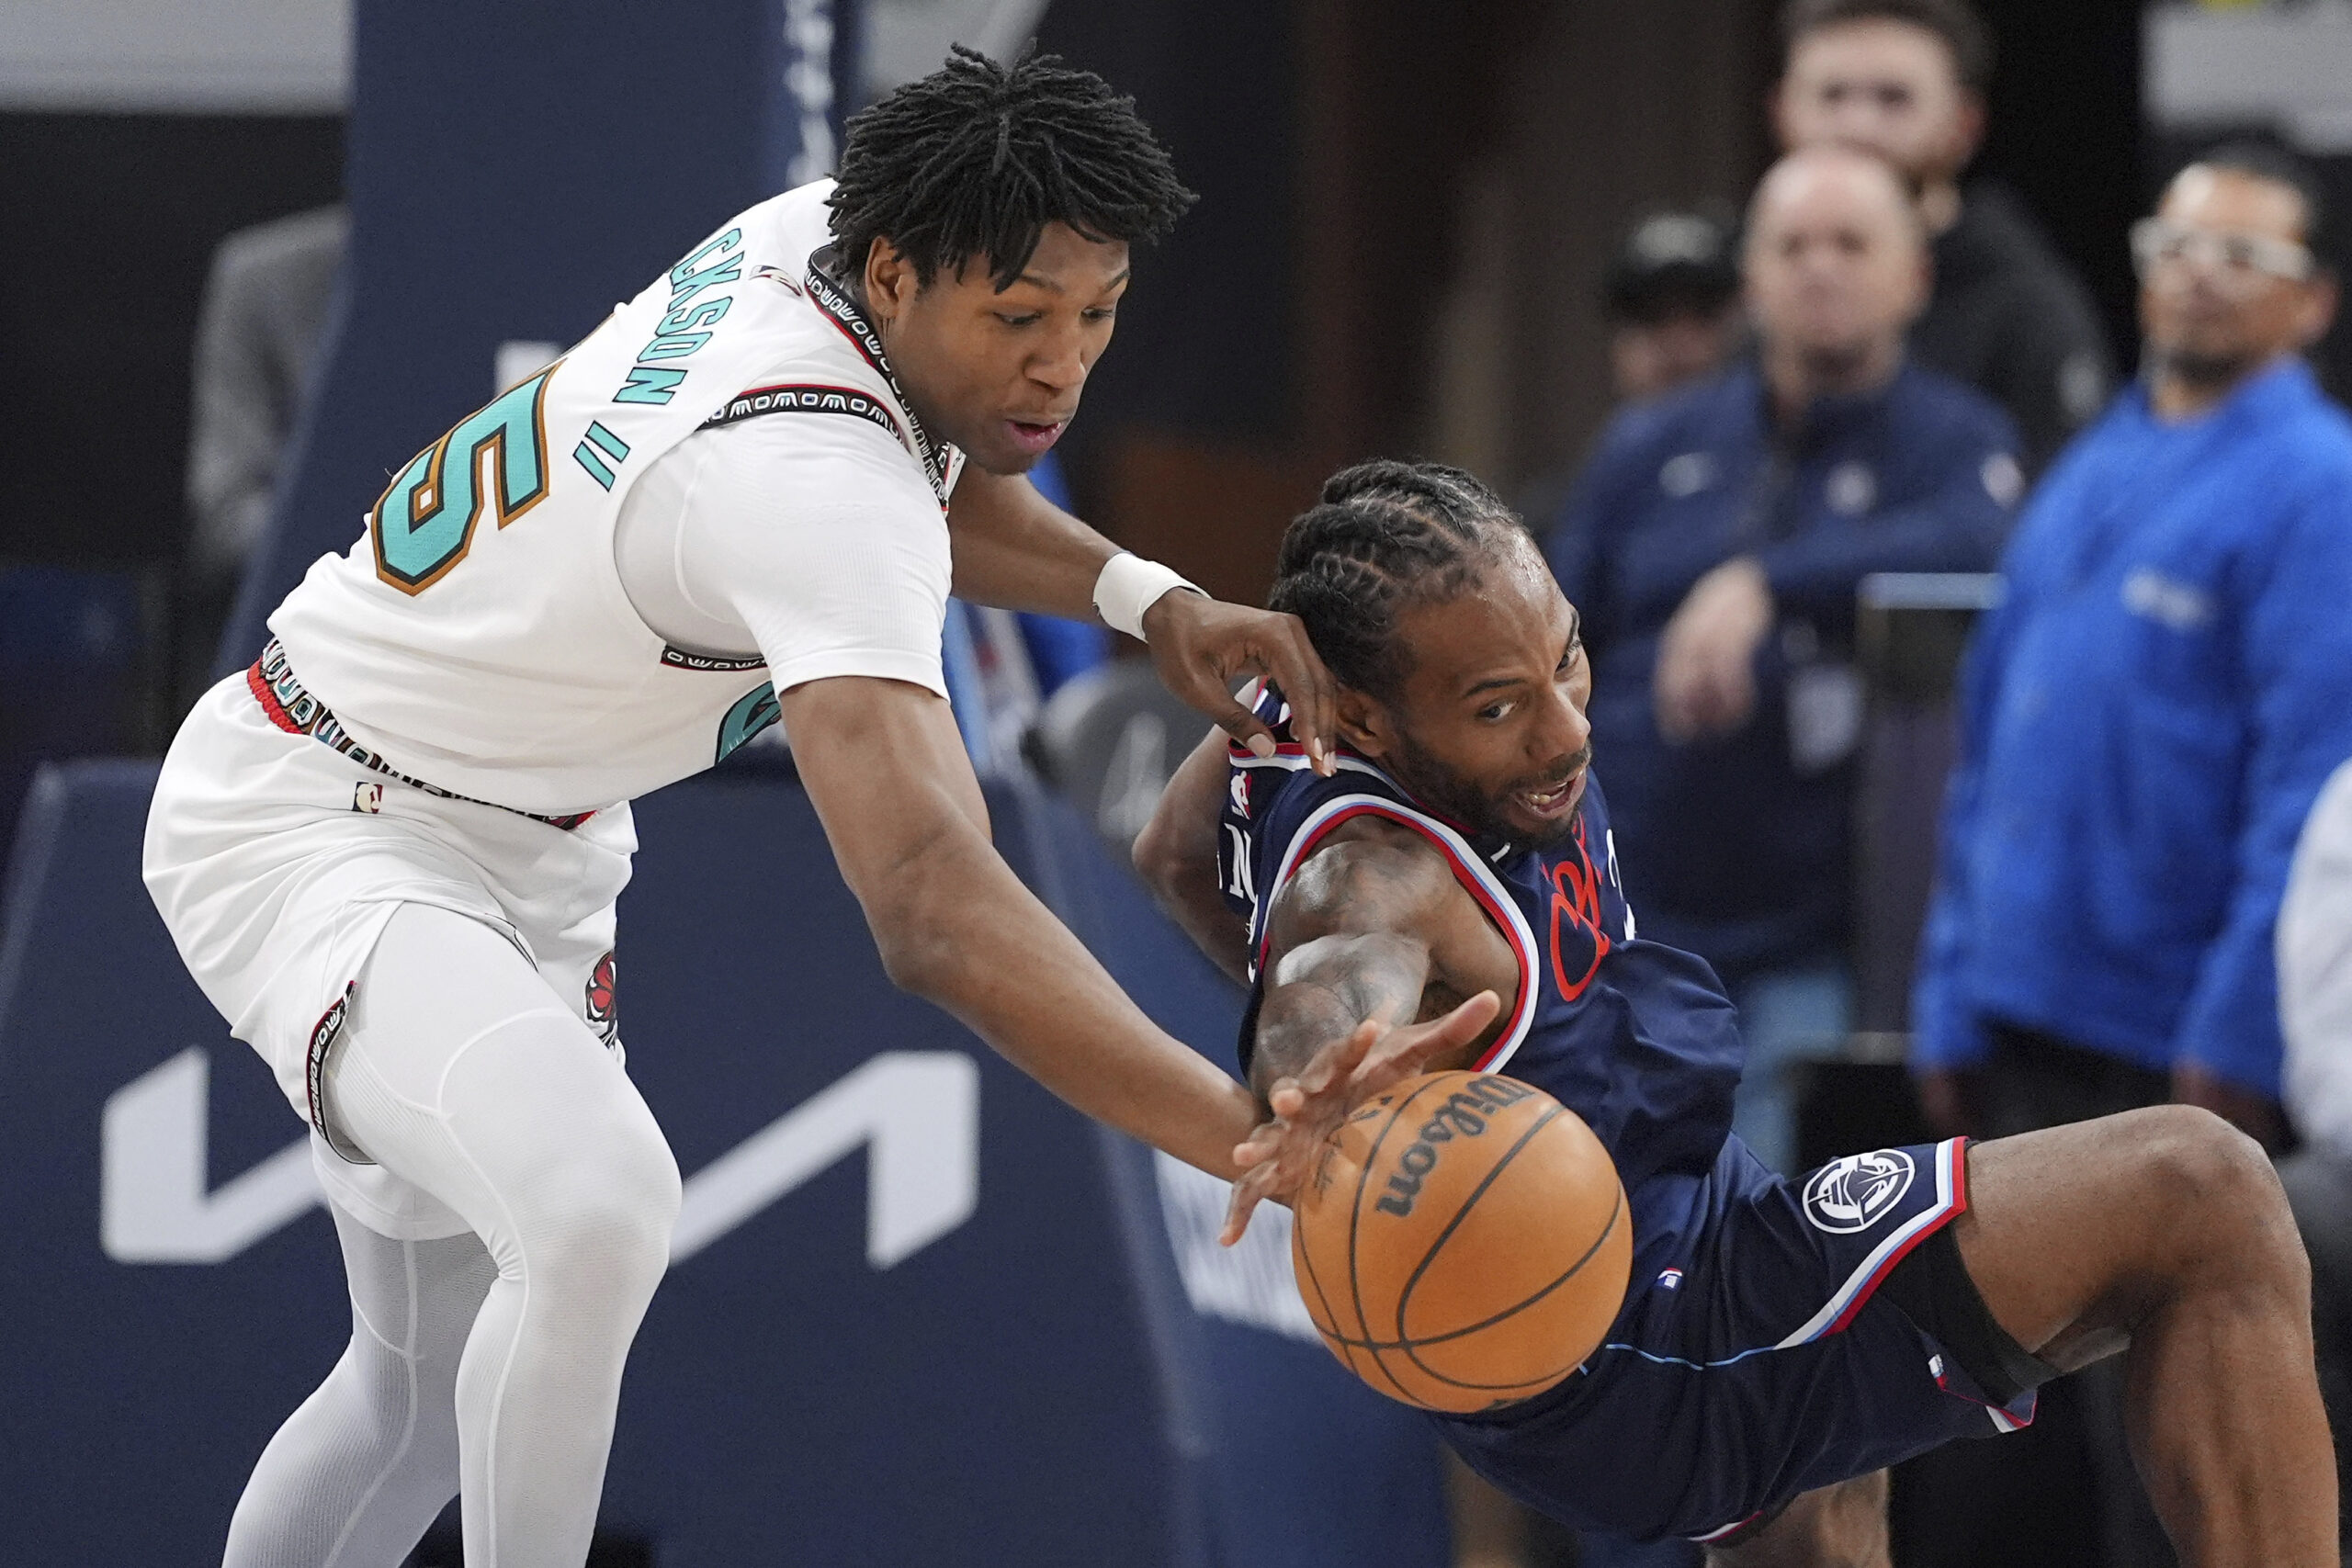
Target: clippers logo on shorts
<point>1463,1114</point>
<point>1852,1194</point>
<point>602,1008</point>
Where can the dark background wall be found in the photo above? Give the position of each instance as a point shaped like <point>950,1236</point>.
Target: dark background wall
<point>1405,212</point>
<point>107,225</point>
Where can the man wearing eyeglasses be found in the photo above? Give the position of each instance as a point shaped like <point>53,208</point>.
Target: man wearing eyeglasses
<point>2150,712</point>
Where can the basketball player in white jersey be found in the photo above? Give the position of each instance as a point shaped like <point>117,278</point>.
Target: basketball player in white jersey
<point>389,850</point>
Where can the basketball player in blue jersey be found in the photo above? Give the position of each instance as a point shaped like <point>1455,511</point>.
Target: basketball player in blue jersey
<point>1784,1340</point>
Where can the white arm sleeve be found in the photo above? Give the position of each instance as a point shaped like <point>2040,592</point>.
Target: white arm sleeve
<point>820,537</point>
<point>2316,972</point>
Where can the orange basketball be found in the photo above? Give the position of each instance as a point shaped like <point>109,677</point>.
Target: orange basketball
<point>1465,1242</point>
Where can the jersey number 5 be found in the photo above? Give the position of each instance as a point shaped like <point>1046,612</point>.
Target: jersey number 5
<point>423,525</point>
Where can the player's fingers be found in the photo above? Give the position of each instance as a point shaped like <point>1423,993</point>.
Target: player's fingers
<point>1337,1063</point>
<point>1198,683</point>
<point>1248,1193</point>
<point>1416,1047</point>
<point>1248,729</point>
<point>1309,689</point>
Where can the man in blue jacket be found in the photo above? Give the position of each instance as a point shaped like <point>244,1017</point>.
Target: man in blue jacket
<point>2151,713</point>
<point>1713,546</point>
<point>2148,719</point>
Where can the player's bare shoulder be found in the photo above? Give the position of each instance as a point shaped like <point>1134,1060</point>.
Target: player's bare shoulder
<point>1374,876</point>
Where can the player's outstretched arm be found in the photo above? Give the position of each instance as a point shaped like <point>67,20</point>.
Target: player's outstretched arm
<point>1370,936</point>
<point>1016,549</point>
<point>887,771</point>
<point>1176,856</point>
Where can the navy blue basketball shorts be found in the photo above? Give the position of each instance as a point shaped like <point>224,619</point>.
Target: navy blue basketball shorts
<point>1758,1356</point>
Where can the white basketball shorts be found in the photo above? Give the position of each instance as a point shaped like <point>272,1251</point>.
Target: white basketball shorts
<point>276,862</point>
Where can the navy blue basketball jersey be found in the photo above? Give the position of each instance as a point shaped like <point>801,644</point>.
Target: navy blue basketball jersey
<point>1636,1038</point>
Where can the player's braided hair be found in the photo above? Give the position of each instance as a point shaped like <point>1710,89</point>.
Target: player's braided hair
<point>976,158</point>
<point>1387,536</point>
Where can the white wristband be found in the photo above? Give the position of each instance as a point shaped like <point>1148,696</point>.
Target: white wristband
<point>1130,585</point>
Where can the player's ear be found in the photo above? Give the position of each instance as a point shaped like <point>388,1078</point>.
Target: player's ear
<point>889,280</point>
<point>1364,723</point>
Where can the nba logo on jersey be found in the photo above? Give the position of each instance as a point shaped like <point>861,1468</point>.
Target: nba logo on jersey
<point>367,798</point>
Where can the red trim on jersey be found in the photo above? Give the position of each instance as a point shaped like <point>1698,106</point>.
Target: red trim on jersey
<point>1953,1155</point>
<point>1529,977</point>
<point>268,700</point>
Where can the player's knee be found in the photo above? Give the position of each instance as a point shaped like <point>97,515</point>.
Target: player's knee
<point>607,1225</point>
<point>2218,1184</point>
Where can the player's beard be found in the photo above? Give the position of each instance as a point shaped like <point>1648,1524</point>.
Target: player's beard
<point>1448,793</point>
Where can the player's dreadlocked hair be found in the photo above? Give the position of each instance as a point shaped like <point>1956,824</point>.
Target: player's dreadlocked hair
<point>976,158</point>
<point>1388,536</point>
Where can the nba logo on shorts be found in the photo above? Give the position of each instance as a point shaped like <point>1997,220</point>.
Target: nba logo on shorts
<point>1852,1194</point>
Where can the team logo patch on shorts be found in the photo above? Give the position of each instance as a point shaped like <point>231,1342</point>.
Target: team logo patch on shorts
<point>603,1011</point>
<point>1853,1193</point>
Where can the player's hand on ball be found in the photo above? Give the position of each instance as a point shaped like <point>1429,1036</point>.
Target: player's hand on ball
<point>1205,646</point>
<point>1280,1152</point>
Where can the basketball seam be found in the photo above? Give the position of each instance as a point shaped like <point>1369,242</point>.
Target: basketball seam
<point>1451,1334</point>
<point>1461,1211</point>
<point>1575,1268</point>
<point>1409,1346</point>
<point>1355,1222</point>
<point>1305,1258</point>
<point>1617,1208</point>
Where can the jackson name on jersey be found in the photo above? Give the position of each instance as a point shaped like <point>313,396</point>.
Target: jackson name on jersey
<point>479,636</point>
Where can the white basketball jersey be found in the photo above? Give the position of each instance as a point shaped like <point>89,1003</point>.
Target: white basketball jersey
<point>479,637</point>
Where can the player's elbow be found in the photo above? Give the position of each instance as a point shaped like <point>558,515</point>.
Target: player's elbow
<point>1164,860</point>
<point>911,932</point>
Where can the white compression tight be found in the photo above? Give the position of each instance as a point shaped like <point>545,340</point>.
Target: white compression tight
<point>486,1366</point>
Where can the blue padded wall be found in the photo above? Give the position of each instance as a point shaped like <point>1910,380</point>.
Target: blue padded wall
<point>988,1398</point>
<point>1289,1461</point>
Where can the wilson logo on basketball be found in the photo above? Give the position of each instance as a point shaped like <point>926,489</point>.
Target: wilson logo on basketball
<point>1463,1114</point>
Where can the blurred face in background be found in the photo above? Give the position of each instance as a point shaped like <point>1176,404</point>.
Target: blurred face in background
<point>1837,268</point>
<point>1650,358</point>
<point>1885,87</point>
<point>2226,284</point>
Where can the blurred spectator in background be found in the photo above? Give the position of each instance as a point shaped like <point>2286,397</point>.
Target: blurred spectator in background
<point>2150,712</point>
<point>1673,303</point>
<point>265,308</point>
<point>2148,716</point>
<point>2315,1015</point>
<point>1712,548</point>
<point>1906,79</point>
